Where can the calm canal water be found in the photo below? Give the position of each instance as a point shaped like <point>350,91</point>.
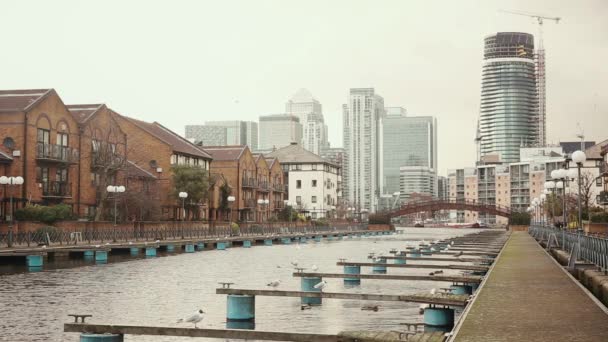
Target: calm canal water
<point>158,291</point>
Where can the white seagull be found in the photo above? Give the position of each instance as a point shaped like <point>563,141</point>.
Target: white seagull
<point>294,263</point>
<point>433,291</point>
<point>274,283</point>
<point>321,285</point>
<point>195,318</point>
<point>314,268</point>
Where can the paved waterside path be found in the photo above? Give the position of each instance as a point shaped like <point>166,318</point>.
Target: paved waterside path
<point>528,297</point>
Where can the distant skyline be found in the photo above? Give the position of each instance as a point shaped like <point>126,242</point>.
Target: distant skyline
<point>188,62</point>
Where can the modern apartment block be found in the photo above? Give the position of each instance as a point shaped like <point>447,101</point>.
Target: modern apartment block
<point>310,112</point>
<point>409,142</point>
<point>223,133</point>
<point>278,130</point>
<point>361,123</point>
<point>508,114</point>
<point>313,182</point>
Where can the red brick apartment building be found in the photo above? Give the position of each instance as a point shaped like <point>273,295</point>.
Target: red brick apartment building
<point>70,153</point>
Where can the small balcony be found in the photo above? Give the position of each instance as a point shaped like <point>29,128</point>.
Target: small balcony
<point>54,189</point>
<point>248,183</point>
<point>56,153</point>
<point>249,203</point>
<point>263,187</point>
<point>278,205</point>
<point>278,187</point>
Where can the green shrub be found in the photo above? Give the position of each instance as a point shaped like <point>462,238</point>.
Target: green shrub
<point>322,222</point>
<point>599,217</point>
<point>44,214</point>
<point>379,218</point>
<point>519,219</point>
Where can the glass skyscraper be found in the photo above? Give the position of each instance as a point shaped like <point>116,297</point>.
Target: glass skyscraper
<point>409,142</point>
<point>509,98</point>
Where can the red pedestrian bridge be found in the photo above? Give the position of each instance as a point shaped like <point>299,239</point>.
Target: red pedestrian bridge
<point>436,205</point>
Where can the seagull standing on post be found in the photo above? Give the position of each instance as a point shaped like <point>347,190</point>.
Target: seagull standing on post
<point>195,318</point>
<point>320,286</point>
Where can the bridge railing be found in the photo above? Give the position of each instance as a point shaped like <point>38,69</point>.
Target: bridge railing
<point>591,248</point>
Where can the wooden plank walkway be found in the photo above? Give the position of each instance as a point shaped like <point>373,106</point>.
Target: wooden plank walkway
<point>529,297</point>
<point>457,279</point>
<point>437,299</point>
<point>437,259</point>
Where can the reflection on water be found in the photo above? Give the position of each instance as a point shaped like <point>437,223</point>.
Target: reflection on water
<point>158,291</point>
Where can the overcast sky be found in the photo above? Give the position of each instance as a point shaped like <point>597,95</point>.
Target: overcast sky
<point>185,62</point>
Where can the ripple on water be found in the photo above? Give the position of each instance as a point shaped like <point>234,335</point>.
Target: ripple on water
<point>160,290</point>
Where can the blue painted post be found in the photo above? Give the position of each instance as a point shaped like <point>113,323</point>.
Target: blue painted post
<point>474,286</point>
<point>220,246</point>
<point>200,246</point>
<point>415,253</point>
<point>240,308</point>
<point>350,236</point>
<point>89,253</point>
<point>267,242</point>
<point>286,241</point>
<point>134,251</point>
<point>170,248</point>
<point>34,260</point>
<point>150,251</point>
<point>462,289</point>
<point>318,238</point>
<point>400,261</point>
<point>303,239</point>
<point>330,237</point>
<point>379,269</point>
<point>352,270</point>
<point>101,257</point>
<point>438,319</point>
<point>189,248</point>
<point>101,338</point>
<point>308,284</point>
<point>247,244</point>
<point>425,250</point>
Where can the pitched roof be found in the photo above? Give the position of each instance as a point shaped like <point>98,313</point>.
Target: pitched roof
<point>595,151</point>
<point>295,153</point>
<point>83,112</point>
<point>178,143</point>
<point>135,170</point>
<point>226,153</point>
<point>5,158</point>
<point>21,100</point>
<point>270,161</point>
<point>571,146</point>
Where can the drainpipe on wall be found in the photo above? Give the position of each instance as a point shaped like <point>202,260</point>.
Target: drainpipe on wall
<point>24,157</point>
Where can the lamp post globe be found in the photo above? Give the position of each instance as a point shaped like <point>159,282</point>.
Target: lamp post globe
<point>571,173</point>
<point>579,157</point>
<point>559,185</point>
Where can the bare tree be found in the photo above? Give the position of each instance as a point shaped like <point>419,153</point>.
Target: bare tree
<point>587,183</point>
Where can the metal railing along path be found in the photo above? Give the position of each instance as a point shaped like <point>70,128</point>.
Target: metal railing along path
<point>57,236</point>
<point>590,248</point>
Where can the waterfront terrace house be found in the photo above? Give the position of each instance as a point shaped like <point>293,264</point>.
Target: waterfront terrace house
<point>239,169</point>
<point>154,149</point>
<point>312,181</point>
<point>39,141</point>
<point>277,185</point>
<point>263,189</point>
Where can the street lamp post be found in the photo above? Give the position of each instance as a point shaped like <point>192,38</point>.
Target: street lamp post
<point>550,188</point>
<point>579,158</point>
<point>231,200</point>
<point>543,202</point>
<point>11,181</point>
<point>115,189</point>
<point>183,195</point>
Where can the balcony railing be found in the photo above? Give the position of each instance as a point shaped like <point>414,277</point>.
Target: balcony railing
<point>279,205</point>
<point>278,187</point>
<point>263,186</point>
<point>56,189</point>
<point>57,153</point>
<point>249,203</point>
<point>249,182</point>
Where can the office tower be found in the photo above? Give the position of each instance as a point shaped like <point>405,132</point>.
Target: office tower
<point>310,112</point>
<point>361,123</point>
<point>443,190</point>
<point>406,141</point>
<point>417,179</point>
<point>278,130</point>
<point>509,99</point>
<point>222,133</point>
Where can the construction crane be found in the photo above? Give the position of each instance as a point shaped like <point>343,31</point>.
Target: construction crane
<point>540,72</point>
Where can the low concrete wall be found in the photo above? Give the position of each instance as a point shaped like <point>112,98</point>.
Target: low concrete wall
<point>516,228</point>
<point>596,228</point>
<point>381,227</point>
